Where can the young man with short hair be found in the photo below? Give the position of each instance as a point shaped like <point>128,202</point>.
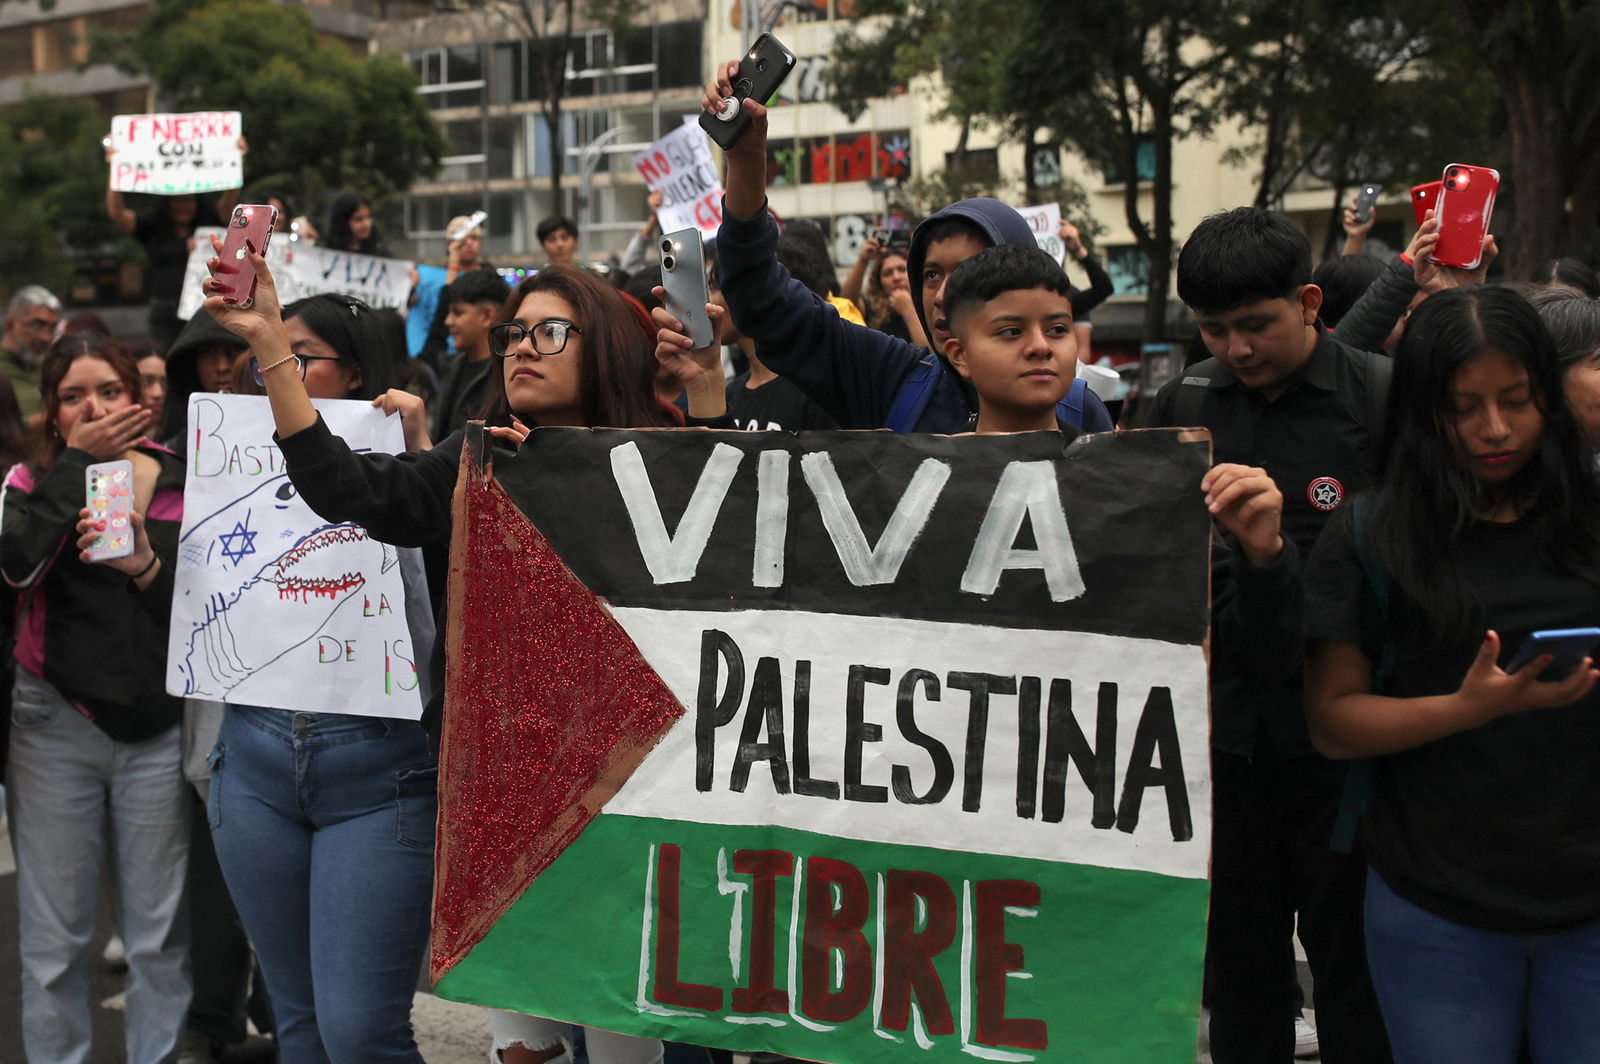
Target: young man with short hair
<point>1281,393</point>
<point>558,236</point>
<point>862,378</point>
<point>471,303</point>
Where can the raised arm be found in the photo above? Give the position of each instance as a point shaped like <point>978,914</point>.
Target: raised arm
<point>116,209</point>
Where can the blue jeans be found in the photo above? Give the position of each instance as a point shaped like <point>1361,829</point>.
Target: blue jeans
<point>324,827</point>
<point>68,782</point>
<point>1452,994</point>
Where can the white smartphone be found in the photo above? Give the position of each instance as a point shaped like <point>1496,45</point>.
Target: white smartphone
<point>109,490</point>
<point>683,278</point>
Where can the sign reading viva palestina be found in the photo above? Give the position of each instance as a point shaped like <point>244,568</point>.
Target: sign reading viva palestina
<point>850,746</point>
<point>177,154</point>
<point>273,606</point>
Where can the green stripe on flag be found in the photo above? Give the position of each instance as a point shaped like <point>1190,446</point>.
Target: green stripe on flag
<point>1108,961</point>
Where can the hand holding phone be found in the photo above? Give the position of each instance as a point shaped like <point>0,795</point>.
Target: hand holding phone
<point>683,279</point>
<point>109,497</point>
<point>1424,198</point>
<point>1365,200</point>
<point>1466,203</point>
<point>761,71</point>
<point>1567,648</point>
<point>249,230</point>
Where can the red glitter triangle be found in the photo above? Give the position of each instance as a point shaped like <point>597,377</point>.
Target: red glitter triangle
<point>549,707</point>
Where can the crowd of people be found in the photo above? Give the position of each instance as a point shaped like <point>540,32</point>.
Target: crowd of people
<point>1404,488</point>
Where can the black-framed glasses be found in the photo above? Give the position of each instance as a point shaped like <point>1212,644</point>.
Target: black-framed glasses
<point>549,336</point>
<point>299,364</point>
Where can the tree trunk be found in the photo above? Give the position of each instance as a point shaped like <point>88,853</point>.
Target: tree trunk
<point>1030,184</point>
<point>1160,102</point>
<point>1542,178</point>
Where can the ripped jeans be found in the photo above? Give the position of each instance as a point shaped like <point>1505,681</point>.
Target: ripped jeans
<point>323,824</point>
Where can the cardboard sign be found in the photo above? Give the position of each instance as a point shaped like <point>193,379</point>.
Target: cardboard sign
<point>855,747</point>
<point>681,168</point>
<point>1045,221</point>
<point>177,154</point>
<point>273,605</point>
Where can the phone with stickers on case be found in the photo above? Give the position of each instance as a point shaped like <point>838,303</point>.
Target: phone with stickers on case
<point>249,229</point>
<point>108,487</point>
<point>761,71</point>
<point>1466,203</point>
<point>683,279</point>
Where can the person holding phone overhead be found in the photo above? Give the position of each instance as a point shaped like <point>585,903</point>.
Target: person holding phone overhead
<point>94,761</point>
<point>570,353</point>
<point>1482,907</point>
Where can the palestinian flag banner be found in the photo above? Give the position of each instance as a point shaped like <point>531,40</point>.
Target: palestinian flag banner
<point>850,746</point>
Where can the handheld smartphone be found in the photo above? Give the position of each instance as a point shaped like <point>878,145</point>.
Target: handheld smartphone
<point>1566,647</point>
<point>1425,198</point>
<point>761,71</point>
<point>477,219</point>
<point>1365,200</point>
<point>1466,203</point>
<point>108,488</point>
<point>683,278</point>
<point>250,228</point>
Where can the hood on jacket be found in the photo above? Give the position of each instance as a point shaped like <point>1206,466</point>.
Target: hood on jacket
<point>183,375</point>
<point>999,222</point>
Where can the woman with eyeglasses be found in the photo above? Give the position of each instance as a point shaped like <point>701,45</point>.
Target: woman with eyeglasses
<point>570,352</point>
<point>323,821</point>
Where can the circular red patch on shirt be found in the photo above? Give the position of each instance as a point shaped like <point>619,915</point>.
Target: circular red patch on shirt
<point>1325,493</point>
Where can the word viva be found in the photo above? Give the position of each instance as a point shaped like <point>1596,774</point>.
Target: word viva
<point>1026,491</point>
<point>923,956</point>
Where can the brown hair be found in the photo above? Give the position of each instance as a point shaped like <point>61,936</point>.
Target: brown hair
<point>878,307</point>
<point>62,354</point>
<point>616,379</point>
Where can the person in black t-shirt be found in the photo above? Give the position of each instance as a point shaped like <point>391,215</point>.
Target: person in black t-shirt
<point>1483,899</point>
<point>759,399</point>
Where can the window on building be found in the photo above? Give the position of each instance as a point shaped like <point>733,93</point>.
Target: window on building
<point>450,77</point>
<point>508,82</point>
<point>679,46</point>
<point>16,51</point>
<point>1129,270</point>
<point>1144,164</point>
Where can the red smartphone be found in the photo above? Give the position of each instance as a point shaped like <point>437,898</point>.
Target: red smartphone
<point>250,228</point>
<point>1425,198</point>
<point>1465,205</point>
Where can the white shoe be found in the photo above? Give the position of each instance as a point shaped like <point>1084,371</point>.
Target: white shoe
<point>115,955</point>
<point>1305,1039</point>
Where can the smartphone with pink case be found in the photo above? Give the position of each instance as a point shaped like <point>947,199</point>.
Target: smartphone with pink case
<point>109,488</point>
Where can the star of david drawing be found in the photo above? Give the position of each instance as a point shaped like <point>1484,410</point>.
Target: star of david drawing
<point>240,543</point>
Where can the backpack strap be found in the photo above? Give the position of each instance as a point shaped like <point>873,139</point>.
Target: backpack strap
<point>912,398</point>
<point>1192,393</point>
<point>1070,408</point>
<point>1358,776</point>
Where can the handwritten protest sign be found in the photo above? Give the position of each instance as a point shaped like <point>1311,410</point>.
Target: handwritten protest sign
<point>681,168</point>
<point>854,747</point>
<point>177,154</point>
<point>300,269</point>
<point>275,606</point>
<point>1045,221</point>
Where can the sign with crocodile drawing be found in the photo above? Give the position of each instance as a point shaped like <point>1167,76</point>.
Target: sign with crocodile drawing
<point>274,605</point>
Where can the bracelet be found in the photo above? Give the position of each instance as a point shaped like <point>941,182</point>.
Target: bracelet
<point>268,369</point>
<point>141,573</point>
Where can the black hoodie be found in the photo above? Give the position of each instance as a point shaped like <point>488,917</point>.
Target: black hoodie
<point>183,373</point>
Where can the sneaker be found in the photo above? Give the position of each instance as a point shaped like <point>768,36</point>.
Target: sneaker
<point>196,1049</point>
<point>1305,1039</point>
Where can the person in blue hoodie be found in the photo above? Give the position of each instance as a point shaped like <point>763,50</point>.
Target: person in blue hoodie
<point>862,378</point>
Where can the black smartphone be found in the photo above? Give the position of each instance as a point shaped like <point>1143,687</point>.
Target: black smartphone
<point>761,71</point>
<point>1365,199</point>
<point>683,278</point>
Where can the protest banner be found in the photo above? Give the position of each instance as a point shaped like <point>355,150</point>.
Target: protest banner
<point>273,605</point>
<point>848,746</point>
<point>1045,221</point>
<point>681,168</point>
<point>177,154</point>
<point>300,269</point>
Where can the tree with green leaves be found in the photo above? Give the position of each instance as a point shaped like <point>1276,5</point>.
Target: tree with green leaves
<point>1544,56</point>
<point>51,166</point>
<point>315,116</point>
<point>1110,79</point>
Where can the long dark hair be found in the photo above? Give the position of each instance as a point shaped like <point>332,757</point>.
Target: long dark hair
<point>62,354</point>
<point>1427,499</point>
<point>356,335</point>
<point>338,235</point>
<point>616,379</point>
